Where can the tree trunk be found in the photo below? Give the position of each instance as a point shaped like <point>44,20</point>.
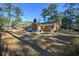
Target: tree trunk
<point>0,33</point>
<point>1,48</point>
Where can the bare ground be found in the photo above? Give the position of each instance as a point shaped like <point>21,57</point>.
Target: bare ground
<point>22,43</point>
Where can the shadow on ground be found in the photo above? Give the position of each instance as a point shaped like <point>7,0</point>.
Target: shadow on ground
<point>50,50</point>
<point>65,38</point>
<point>33,45</point>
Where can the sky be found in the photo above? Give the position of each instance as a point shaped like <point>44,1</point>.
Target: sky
<point>33,10</point>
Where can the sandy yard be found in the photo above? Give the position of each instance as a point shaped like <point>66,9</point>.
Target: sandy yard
<point>22,43</point>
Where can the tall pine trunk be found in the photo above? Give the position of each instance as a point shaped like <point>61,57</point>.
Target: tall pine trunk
<point>0,41</point>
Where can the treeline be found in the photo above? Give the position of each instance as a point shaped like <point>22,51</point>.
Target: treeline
<point>68,18</point>
<point>10,14</point>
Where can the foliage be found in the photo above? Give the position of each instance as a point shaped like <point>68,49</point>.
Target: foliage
<point>45,12</point>
<point>12,13</point>
<point>49,12</point>
<point>18,12</point>
<point>3,21</point>
<point>65,18</point>
<point>16,21</point>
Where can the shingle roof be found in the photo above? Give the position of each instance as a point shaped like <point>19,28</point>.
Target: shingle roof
<point>49,22</point>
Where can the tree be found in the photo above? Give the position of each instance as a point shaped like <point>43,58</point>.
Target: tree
<point>59,15</point>
<point>69,13</point>
<point>45,13</point>
<point>0,23</point>
<point>8,12</point>
<point>16,21</point>
<point>3,21</point>
<point>8,9</point>
<point>53,11</point>
<point>35,20</point>
<point>77,18</point>
<point>18,14</point>
<point>13,13</point>
<point>77,15</point>
<point>50,13</point>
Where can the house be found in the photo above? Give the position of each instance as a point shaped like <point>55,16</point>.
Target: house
<point>32,27</point>
<point>50,26</point>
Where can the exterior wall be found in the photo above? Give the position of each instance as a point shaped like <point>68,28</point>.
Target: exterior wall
<point>39,28</point>
<point>56,26</point>
<point>34,26</point>
<point>50,27</point>
<point>45,27</point>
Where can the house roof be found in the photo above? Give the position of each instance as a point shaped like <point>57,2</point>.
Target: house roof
<point>49,22</point>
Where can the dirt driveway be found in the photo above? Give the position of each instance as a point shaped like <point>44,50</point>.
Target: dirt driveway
<point>22,43</point>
